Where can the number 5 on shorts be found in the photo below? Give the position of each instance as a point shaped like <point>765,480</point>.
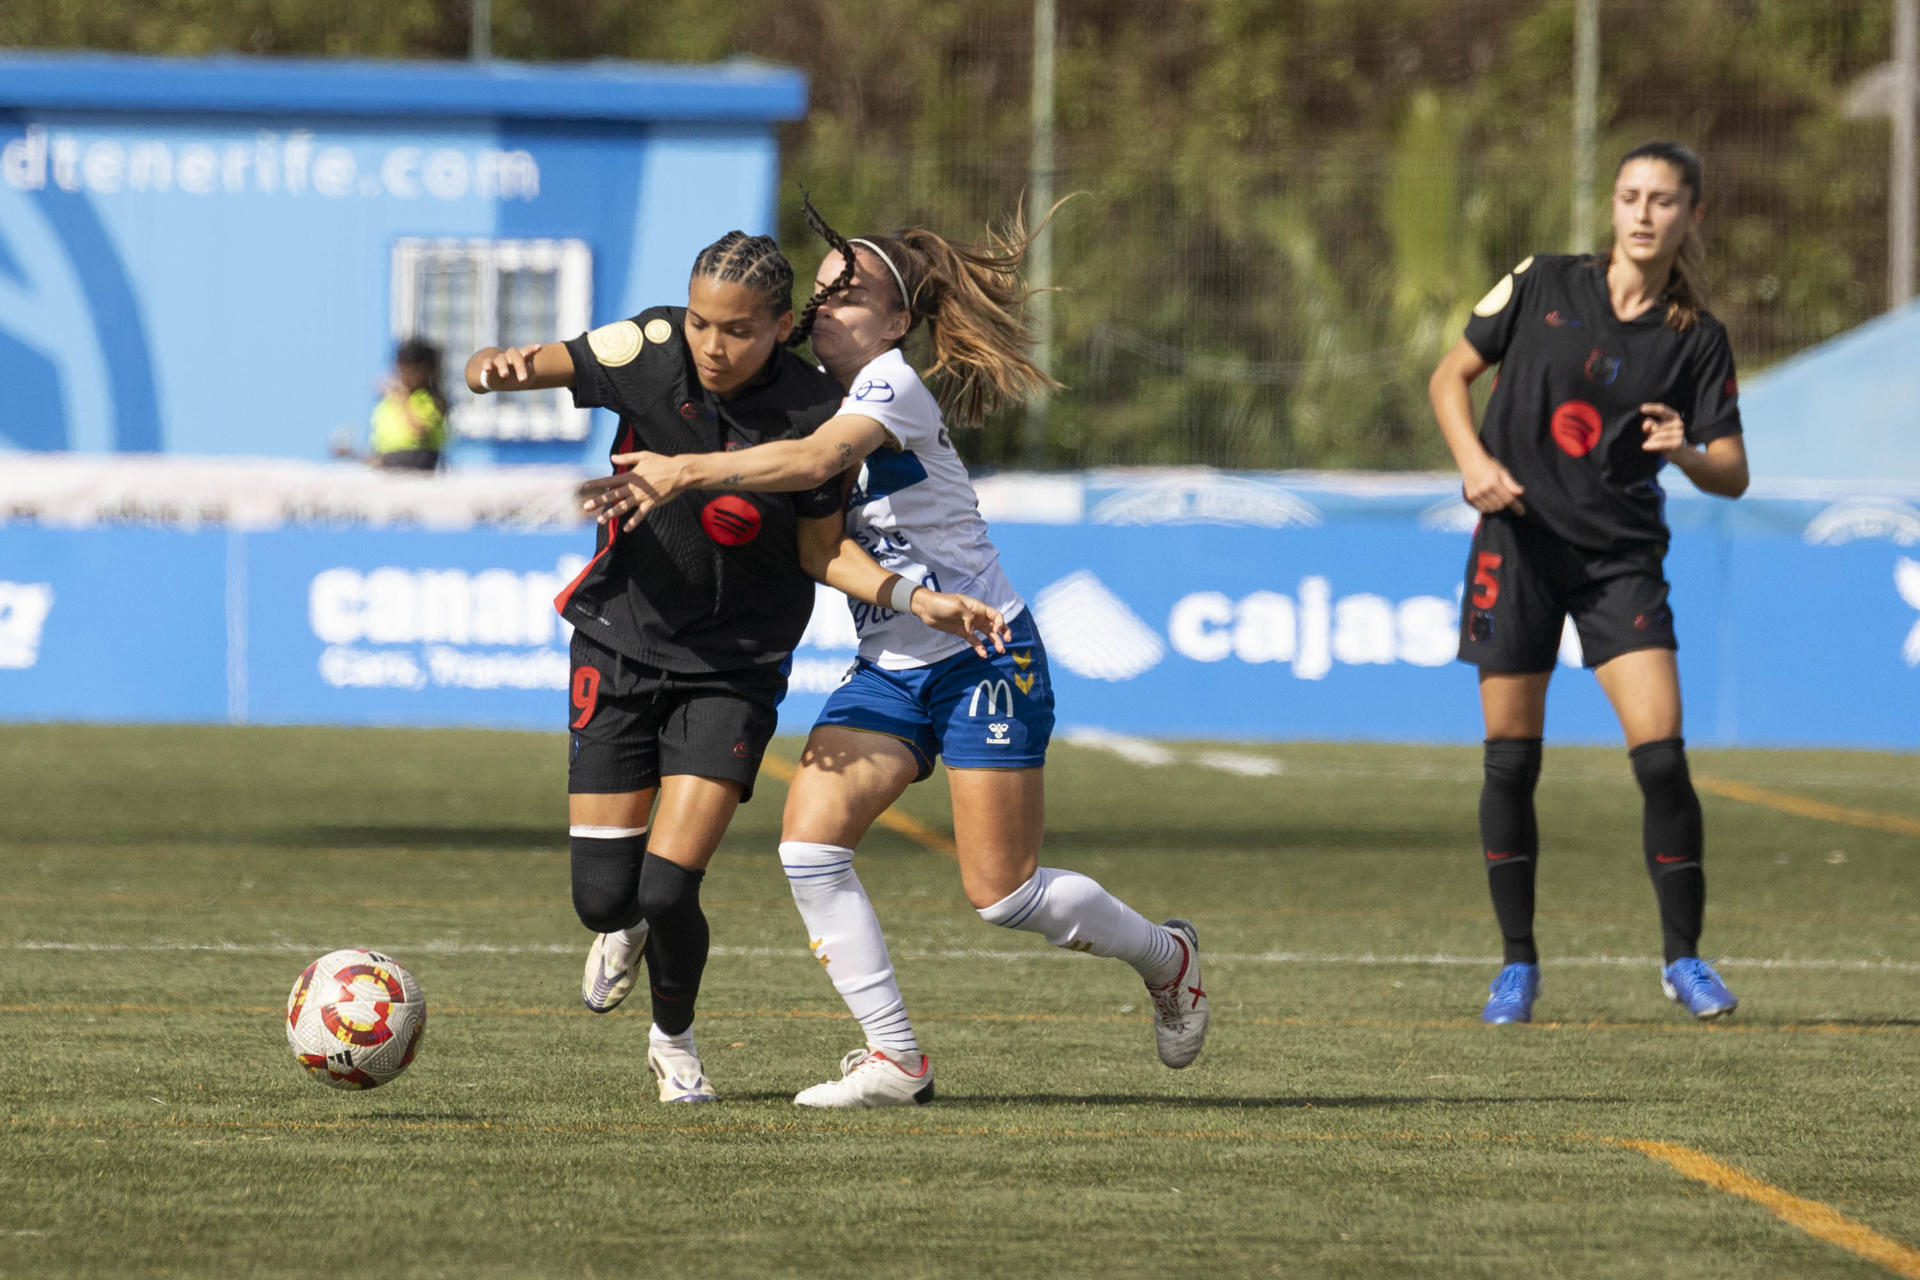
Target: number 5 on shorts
<point>1486,585</point>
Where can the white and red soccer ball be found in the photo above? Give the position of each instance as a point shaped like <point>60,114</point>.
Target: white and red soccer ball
<point>355,1018</point>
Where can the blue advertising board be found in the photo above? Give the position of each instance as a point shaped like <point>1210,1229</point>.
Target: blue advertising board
<point>113,624</point>
<point>199,255</point>
<point>1229,607</point>
<point>426,628</point>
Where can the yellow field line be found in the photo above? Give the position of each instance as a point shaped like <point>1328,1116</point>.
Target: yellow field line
<point>1821,1221</point>
<point>912,828</point>
<point>1802,807</point>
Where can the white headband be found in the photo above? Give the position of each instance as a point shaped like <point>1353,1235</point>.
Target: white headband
<point>905,302</point>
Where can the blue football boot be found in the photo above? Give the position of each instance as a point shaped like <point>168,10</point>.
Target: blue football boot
<point>1692,982</point>
<point>1510,996</point>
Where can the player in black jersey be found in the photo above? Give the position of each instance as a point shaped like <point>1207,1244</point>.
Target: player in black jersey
<point>1609,369</point>
<point>683,625</point>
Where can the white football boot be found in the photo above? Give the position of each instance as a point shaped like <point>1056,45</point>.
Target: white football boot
<point>611,970</point>
<point>681,1077</point>
<point>1180,1007</point>
<point>869,1078</point>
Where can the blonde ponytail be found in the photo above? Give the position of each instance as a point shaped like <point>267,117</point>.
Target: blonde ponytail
<point>972,299</point>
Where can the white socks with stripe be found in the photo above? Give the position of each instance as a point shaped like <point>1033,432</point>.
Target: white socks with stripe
<point>1072,911</point>
<point>845,936</point>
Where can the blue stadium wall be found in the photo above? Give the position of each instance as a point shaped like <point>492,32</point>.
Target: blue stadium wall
<point>243,307</point>
<point>195,254</point>
<point>1182,606</point>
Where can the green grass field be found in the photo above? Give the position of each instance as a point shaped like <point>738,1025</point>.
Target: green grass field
<point>1350,1116</point>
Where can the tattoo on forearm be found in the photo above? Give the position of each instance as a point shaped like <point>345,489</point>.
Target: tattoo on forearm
<point>733,481</point>
<point>845,451</point>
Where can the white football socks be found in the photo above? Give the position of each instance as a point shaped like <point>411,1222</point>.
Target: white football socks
<point>845,936</point>
<point>1072,911</point>
<point>683,1041</point>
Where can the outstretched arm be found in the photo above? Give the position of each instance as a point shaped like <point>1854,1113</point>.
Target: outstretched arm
<point>774,467</point>
<point>528,368</point>
<point>830,556</point>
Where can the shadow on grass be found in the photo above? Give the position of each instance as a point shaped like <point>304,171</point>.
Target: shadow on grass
<point>1289,1102</point>
<point>1265,839</point>
<point>981,1101</point>
<point>1278,836</point>
<point>518,837</point>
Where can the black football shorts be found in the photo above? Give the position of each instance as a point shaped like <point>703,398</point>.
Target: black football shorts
<point>1523,583</point>
<point>630,723</point>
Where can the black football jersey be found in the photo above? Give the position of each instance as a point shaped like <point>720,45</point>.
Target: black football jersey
<point>712,580</point>
<point>1565,415</point>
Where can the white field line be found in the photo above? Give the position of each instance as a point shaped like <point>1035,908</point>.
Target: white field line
<point>1238,762</point>
<point>452,947</point>
<point>1153,755</point>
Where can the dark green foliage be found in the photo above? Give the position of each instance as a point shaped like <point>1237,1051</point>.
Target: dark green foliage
<point>1290,203</point>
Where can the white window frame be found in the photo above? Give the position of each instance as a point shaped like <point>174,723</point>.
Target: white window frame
<point>500,417</point>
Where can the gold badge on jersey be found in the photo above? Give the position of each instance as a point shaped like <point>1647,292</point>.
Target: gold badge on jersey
<point>1497,298</point>
<point>658,331</point>
<point>615,344</point>
<point>1501,294</point>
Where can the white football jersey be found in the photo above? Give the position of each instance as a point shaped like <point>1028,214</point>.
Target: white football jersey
<point>914,510</point>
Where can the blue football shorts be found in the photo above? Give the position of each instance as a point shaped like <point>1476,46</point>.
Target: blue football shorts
<point>980,713</point>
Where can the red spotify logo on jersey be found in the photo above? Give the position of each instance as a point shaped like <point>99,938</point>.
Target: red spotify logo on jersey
<point>730,520</point>
<point>1576,427</point>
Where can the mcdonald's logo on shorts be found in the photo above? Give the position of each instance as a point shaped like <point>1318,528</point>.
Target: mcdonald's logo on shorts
<point>996,691</point>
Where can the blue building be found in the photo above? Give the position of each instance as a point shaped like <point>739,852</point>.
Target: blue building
<point>215,256</point>
<point>1846,410</point>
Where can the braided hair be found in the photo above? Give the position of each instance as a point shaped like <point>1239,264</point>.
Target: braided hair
<point>753,261</point>
<point>803,328</point>
<point>973,302</point>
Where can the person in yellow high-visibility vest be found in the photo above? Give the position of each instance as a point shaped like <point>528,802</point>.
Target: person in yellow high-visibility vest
<point>410,422</point>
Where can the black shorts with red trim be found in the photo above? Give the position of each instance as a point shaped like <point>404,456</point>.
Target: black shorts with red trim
<point>631,723</point>
<point>1523,583</point>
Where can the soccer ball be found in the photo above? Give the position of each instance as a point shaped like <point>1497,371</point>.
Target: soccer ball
<point>354,1019</point>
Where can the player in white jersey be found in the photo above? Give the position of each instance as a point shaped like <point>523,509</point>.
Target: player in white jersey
<point>912,695</point>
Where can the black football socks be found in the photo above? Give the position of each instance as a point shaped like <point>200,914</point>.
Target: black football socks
<point>1510,839</point>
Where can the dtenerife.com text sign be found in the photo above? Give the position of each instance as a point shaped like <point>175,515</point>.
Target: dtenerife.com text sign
<point>1323,616</point>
